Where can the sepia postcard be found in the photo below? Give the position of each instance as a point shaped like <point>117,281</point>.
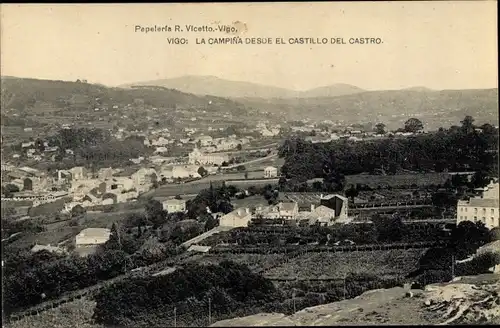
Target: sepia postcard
<point>250,164</point>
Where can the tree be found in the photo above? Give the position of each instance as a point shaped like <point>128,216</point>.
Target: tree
<point>467,237</point>
<point>178,197</point>
<point>155,213</point>
<point>467,124</point>
<point>413,125</point>
<point>351,193</point>
<point>241,168</point>
<point>238,147</point>
<point>246,175</point>
<point>211,223</point>
<point>380,128</point>
<point>27,184</point>
<point>388,229</point>
<point>77,211</point>
<point>114,241</point>
<point>39,145</point>
<point>202,171</point>
<point>480,179</point>
<point>225,207</point>
<point>9,189</point>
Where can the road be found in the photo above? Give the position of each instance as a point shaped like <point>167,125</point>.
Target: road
<point>262,159</point>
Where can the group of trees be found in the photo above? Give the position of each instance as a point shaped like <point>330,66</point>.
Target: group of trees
<point>216,199</point>
<point>191,290</point>
<point>437,264</point>
<point>32,278</point>
<point>455,149</point>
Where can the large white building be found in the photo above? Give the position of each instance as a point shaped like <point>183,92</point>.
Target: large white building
<point>270,172</point>
<point>237,218</point>
<point>174,205</point>
<point>484,208</point>
<point>92,236</point>
<point>197,157</point>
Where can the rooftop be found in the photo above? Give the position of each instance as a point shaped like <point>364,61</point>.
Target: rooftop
<point>324,211</point>
<point>95,232</point>
<point>480,202</point>
<point>239,213</point>
<point>49,248</point>
<point>287,206</point>
<point>174,201</point>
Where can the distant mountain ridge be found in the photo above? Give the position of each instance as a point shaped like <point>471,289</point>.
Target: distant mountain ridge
<point>214,86</point>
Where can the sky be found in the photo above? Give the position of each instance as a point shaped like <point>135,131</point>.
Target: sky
<point>439,45</point>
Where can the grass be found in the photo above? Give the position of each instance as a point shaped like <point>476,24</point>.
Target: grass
<point>254,261</point>
<point>381,263</point>
<point>52,237</point>
<point>419,179</point>
<point>250,201</point>
<point>49,208</point>
<point>105,220</point>
<point>76,314</point>
<point>195,187</point>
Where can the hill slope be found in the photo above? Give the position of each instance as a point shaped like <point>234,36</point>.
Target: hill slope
<point>211,85</point>
<point>334,90</point>
<point>436,108</point>
<point>21,93</point>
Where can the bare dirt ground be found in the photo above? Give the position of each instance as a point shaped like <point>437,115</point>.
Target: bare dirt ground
<point>472,300</point>
<point>468,300</point>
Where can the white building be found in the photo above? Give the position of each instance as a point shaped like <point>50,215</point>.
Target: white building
<point>161,150</point>
<point>479,209</point>
<point>143,176</point>
<point>339,204</point>
<point>237,218</point>
<point>197,157</point>
<point>174,205</point>
<point>48,248</point>
<point>204,140</point>
<point>270,172</point>
<point>185,171</point>
<point>283,210</point>
<point>92,236</point>
<point>160,142</point>
<point>484,208</point>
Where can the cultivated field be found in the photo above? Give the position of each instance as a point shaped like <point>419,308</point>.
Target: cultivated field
<point>76,314</point>
<point>254,261</point>
<point>419,179</point>
<point>336,265</point>
<point>195,187</point>
<point>52,237</point>
<point>251,201</point>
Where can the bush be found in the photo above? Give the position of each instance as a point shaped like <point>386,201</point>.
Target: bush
<point>150,300</point>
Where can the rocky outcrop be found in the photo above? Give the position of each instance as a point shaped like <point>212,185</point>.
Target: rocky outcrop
<point>463,303</point>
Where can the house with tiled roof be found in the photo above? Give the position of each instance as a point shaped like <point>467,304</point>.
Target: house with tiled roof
<point>240,217</point>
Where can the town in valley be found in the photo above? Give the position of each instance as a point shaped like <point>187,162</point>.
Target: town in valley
<point>200,200</point>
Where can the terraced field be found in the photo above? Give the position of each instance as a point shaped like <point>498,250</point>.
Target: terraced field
<point>390,263</point>
<point>255,262</point>
<point>76,314</point>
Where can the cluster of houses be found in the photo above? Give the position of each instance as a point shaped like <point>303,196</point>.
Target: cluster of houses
<point>38,153</point>
<point>328,210</point>
<point>201,158</point>
<point>268,131</point>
